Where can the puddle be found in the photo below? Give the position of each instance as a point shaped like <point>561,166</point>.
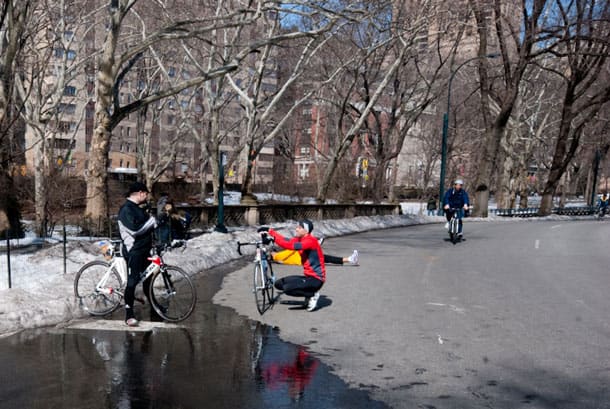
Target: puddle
<point>218,360</point>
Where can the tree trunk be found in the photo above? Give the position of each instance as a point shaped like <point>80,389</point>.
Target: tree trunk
<point>97,178</point>
<point>504,188</point>
<point>246,186</point>
<point>546,203</point>
<point>41,194</point>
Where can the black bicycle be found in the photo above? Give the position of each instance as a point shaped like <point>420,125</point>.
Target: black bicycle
<point>454,225</point>
<point>263,276</point>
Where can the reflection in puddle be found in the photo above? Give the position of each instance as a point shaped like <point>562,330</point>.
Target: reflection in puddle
<point>289,372</point>
<point>294,375</point>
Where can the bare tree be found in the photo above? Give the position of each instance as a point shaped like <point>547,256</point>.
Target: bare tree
<point>515,39</point>
<point>14,17</point>
<point>120,53</point>
<point>584,29</point>
<point>50,48</point>
<point>388,89</point>
<point>528,129</point>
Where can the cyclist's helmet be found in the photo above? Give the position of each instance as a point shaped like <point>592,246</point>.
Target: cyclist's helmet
<point>459,182</point>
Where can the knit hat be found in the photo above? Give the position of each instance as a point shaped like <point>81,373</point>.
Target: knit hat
<point>307,225</point>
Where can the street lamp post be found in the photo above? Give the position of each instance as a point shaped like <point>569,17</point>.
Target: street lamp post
<point>446,129</point>
<point>220,226</point>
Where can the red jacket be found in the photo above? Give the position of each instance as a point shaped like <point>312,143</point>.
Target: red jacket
<point>309,248</point>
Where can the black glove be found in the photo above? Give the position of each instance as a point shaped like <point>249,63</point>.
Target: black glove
<point>266,239</point>
<point>262,229</point>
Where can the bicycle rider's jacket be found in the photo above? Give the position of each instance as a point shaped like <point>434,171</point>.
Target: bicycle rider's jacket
<point>310,251</point>
<point>456,199</point>
<point>136,227</point>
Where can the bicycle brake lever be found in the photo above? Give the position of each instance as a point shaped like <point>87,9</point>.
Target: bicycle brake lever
<point>239,248</point>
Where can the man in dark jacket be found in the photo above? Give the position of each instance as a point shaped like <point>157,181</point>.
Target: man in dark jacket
<point>136,227</point>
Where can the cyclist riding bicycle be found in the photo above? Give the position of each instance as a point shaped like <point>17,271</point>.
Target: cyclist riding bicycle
<point>456,198</point>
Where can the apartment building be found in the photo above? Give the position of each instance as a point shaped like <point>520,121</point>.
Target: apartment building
<point>166,139</point>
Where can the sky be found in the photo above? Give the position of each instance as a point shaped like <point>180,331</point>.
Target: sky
<point>42,295</point>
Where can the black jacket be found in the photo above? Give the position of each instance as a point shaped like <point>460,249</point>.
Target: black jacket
<point>136,228</point>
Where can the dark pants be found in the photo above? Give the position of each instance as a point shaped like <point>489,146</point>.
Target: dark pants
<point>137,263</point>
<point>298,286</point>
<point>328,259</point>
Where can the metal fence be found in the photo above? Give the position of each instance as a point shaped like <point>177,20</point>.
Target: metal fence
<point>12,248</point>
<point>533,211</point>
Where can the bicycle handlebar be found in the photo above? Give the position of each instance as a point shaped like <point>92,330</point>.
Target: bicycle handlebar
<point>247,243</point>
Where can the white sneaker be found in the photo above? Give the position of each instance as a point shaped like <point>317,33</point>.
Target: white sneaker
<point>132,322</point>
<point>447,225</point>
<point>312,303</point>
<point>353,259</point>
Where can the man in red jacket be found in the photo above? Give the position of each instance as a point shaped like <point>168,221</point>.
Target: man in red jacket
<point>314,273</point>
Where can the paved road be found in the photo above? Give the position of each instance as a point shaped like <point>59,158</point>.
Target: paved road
<point>516,316</point>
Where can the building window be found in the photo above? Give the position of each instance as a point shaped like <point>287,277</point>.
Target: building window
<point>71,54</point>
<point>63,143</point>
<point>65,126</point>
<point>171,72</point>
<point>69,90</point>
<point>67,108</point>
<point>304,150</point>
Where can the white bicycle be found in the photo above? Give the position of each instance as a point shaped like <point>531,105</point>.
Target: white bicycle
<point>99,286</point>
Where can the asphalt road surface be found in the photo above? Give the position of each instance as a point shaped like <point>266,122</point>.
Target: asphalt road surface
<point>516,316</point>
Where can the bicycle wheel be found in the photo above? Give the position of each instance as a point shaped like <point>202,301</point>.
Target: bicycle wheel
<point>453,229</point>
<point>260,289</point>
<point>270,279</point>
<point>172,294</point>
<point>97,287</point>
